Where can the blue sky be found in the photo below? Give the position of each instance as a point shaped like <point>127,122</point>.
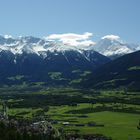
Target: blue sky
<point>44,17</point>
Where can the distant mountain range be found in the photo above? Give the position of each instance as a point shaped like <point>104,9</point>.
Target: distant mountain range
<point>110,46</point>
<point>30,60</point>
<point>34,60</point>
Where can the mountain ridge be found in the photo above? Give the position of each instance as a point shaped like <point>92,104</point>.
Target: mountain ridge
<point>37,60</point>
<point>123,72</point>
<point>111,46</point>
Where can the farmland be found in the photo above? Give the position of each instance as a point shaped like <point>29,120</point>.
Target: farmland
<point>114,114</point>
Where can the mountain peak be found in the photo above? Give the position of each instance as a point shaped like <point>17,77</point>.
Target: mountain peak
<point>112,46</point>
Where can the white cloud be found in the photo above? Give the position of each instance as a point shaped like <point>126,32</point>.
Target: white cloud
<point>81,43</point>
<point>70,36</point>
<point>111,37</point>
<point>73,39</point>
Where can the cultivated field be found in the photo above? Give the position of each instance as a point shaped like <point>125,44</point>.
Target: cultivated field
<point>115,114</point>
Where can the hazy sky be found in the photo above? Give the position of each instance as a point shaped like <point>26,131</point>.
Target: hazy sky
<point>44,17</point>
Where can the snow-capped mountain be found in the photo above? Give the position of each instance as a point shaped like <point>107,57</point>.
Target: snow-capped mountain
<point>112,46</point>
<point>29,59</point>
<point>38,46</point>
<point>36,60</point>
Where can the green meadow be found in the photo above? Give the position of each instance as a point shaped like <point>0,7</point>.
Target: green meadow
<point>114,114</point>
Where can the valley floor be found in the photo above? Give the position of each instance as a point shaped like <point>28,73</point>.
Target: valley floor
<point>115,114</point>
